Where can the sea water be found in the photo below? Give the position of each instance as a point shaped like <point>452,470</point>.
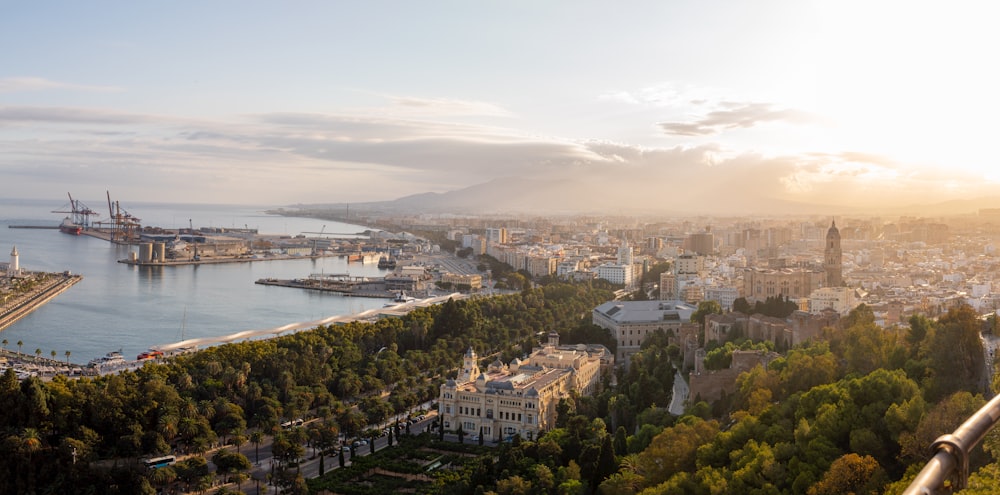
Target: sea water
<point>129,308</point>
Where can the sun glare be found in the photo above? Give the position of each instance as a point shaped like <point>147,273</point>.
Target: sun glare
<point>911,80</point>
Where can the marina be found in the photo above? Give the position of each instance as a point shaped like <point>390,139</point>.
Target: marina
<point>133,307</point>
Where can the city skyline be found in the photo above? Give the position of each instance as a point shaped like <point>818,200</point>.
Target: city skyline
<point>662,105</point>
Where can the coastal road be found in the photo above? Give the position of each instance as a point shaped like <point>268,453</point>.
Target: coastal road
<point>679,396</point>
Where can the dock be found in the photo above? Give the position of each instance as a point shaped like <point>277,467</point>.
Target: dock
<point>23,305</point>
<point>223,259</point>
<point>46,227</point>
<point>357,286</point>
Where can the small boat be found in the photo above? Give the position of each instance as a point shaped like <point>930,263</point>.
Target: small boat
<point>68,227</point>
<point>113,358</point>
<point>401,298</point>
<point>385,262</point>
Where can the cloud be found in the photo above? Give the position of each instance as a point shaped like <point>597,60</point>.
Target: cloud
<point>447,106</point>
<point>621,96</point>
<point>314,157</point>
<point>19,84</point>
<point>733,115</point>
<point>62,115</point>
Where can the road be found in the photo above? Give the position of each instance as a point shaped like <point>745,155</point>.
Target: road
<point>679,396</point>
<point>309,467</point>
<point>449,263</point>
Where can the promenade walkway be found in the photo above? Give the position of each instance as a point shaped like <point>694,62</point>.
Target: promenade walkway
<point>16,307</point>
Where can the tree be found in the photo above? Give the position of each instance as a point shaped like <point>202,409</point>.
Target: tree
<point>238,440</point>
<point>20,343</point>
<point>256,438</point>
<point>230,463</point>
<point>705,308</point>
<point>851,473</point>
<point>68,353</point>
<point>53,353</point>
<point>674,449</point>
<point>741,305</point>
<point>955,352</point>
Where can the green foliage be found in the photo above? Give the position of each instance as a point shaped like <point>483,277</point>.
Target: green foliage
<point>238,391</point>
<point>848,413</point>
<point>705,308</point>
<point>652,276</point>
<point>955,354</point>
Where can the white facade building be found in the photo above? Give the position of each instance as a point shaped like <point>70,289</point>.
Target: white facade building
<point>725,296</point>
<point>520,398</point>
<point>839,299</point>
<point>616,274</point>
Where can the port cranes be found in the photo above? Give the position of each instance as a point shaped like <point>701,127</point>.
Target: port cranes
<point>123,226</point>
<point>79,213</point>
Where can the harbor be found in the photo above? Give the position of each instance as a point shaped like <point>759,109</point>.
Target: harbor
<point>133,307</point>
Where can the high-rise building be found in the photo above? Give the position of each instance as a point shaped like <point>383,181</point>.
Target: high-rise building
<point>833,257</point>
<point>702,243</point>
<point>625,254</point>
<point>497,235</point>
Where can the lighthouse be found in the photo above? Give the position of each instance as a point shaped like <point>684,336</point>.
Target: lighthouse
<point>13,268</point>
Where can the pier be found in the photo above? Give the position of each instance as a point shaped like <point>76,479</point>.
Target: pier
<point>223,259</point>
<point>343,284</point>
<point>16,307</point>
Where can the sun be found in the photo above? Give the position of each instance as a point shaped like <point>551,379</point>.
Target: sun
<point>910,80</point>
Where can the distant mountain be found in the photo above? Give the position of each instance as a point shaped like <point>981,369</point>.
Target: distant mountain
<point>517,195</point>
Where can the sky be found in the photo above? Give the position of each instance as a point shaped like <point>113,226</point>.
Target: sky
<point>655,103</point>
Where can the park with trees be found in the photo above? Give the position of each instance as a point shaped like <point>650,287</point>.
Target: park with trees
<point>854,411</point>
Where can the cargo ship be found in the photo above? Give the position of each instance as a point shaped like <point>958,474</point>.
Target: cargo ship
<point>68,227</point>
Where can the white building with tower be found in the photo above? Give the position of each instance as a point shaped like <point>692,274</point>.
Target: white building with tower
<point>520,398</point>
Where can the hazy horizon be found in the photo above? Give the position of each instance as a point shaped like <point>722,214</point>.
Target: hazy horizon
<point>660,106</point>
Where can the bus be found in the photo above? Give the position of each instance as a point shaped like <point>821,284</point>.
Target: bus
<point>158,462</point>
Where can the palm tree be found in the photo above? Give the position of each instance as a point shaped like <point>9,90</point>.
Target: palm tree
<point>164,476</point>
<point>256,438</point>
<point>20,343</point>
<point>38,353</point>
<point>30,442</point>
<point>53,353</point>
<point>238,440</point>
<point>4,342</point>
<point>67,356</point>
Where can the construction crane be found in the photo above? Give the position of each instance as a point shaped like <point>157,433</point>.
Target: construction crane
<point>314,252</point>
<point>80,212</point>
<point>123,226</point>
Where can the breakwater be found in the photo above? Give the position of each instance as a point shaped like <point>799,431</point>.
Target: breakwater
<point>16,307</point>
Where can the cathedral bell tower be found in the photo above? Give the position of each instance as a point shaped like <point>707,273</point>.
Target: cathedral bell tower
<point>833,258</point>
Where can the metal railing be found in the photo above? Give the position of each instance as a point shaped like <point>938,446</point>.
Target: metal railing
<point>952,458</point>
